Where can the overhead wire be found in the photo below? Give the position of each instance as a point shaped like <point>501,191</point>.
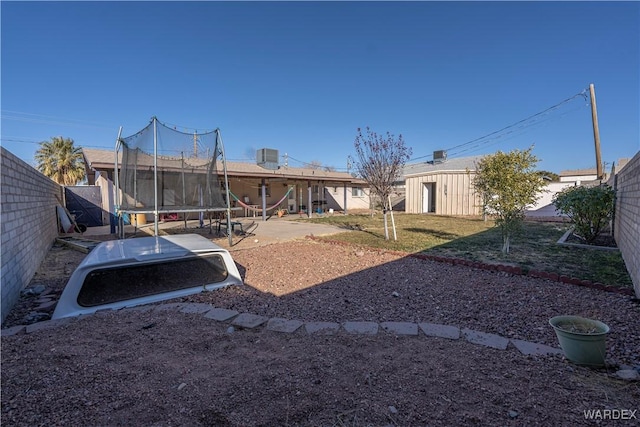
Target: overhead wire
<point>466,147</point>
<point>50,120</point>
<point>520,123</point>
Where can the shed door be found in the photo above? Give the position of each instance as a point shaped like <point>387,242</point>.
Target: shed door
<point>428,199</point>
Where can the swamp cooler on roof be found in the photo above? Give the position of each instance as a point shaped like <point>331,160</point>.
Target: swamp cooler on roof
<point>267,158</point>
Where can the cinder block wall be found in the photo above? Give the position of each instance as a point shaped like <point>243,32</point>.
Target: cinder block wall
<point>627,219</point>
<point>28,221</point>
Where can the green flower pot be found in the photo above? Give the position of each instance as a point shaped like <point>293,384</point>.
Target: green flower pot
<point>581,339</point>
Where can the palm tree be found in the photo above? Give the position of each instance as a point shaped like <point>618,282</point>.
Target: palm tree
<point>61,161</point>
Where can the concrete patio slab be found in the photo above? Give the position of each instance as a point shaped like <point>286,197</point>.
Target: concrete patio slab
<point>364,328</point>
<point>400,328</point>
<point>533,349</point>
<point>485,339</point>
<point>221,314</point>
<point>140,308</point>
<point>283,325</point>
<point>196,307</point>
<point>14,330</point>
<point>249,321</point>
<point>440,331</point>
<point>171,306</point>
<point>326,328</point>
<point>48,324</point>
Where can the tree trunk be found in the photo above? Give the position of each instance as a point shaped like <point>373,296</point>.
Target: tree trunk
<point>386,228</point>
<point>505,243</point>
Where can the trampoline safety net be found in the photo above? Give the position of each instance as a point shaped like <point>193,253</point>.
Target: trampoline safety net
<point>166,170</point>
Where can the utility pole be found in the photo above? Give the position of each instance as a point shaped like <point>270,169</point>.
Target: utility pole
<point>195,144</point>
<point>596,131</point>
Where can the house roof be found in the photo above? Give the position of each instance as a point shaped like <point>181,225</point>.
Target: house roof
<point>104,160</point>
<point>449,165</point>
<point>622,163</point>
<point>579,172</point>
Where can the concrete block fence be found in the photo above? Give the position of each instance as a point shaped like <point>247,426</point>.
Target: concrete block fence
<point>28,221</point>
<point>627,218</point>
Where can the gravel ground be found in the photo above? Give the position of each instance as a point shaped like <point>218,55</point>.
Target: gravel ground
<point>149,368</point>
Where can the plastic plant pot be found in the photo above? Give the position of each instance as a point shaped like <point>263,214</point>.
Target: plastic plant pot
<point>582,340</point>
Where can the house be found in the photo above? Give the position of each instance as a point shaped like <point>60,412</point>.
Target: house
<point>307,190</point>
<point>579,175</point>
<point>442,187</point>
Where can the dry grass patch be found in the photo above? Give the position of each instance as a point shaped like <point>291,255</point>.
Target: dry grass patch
<point>534,248</point>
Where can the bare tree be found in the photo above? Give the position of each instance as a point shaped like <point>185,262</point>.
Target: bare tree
<point>379,161</point>
<point>314,164</point>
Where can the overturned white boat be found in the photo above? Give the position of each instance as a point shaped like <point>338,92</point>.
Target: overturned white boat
<point>126,273</point>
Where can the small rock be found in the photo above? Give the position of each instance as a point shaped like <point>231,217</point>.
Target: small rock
<point>181,386</point>
<point>360,253</point>
<point>47,306</point>
<point>231,330</point>
<point>395,294</point>
<point>36,316</point>
<point>513,414</point>
<point>256,241</point>
<point>34,290</point>
<point>628,374</point>
<point>393,410</point>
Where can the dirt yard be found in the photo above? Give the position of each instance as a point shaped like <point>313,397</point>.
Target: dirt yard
<point>167,368</point>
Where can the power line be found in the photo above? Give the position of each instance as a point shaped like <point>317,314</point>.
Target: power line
<point>51,120</point>
<point>520,123</point>
<point>311,164</point>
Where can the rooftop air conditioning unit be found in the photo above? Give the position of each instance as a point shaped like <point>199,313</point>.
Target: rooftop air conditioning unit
<point>267,158</point>
<point>439,156</point>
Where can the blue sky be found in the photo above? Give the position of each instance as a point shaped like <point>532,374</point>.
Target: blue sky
<point>301,77</point>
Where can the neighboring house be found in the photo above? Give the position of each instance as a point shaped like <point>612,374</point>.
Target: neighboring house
<point>443,187</point>
<point>578,176</point>
<point>321,190</point>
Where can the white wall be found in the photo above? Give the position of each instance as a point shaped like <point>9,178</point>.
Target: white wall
<point>335,197</point>
<point>546,196</point>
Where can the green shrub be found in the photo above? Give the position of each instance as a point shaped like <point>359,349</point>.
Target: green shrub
<point>589,209</point>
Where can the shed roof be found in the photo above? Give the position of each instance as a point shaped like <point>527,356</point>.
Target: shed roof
<point>449,165</point>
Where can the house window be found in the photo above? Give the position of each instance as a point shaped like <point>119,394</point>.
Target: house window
<point>357,192</point>
<point>267,191</point>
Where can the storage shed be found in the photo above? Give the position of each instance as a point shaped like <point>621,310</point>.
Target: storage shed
<point>442,187</point>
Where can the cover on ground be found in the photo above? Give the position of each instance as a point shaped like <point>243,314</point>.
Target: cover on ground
<point>129,272</point>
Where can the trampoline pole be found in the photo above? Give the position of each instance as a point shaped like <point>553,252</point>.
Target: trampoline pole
<point>184,192</point>
<point>226,185</point>
<point>155,176</point>
<point>116,194</point>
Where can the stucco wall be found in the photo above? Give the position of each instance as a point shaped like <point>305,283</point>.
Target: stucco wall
<point>29,224</point>
<point>545,197</point>
<point>627,219</point>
